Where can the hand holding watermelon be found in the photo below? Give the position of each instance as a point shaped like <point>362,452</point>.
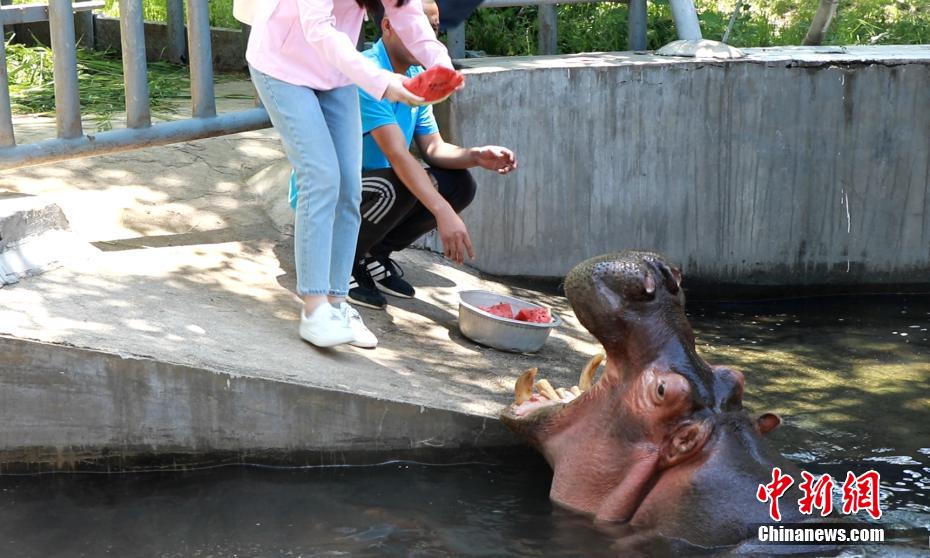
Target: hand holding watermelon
<point>435,84</point>
<point>397,93</point>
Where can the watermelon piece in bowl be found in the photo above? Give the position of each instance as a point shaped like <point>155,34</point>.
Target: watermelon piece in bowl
<point>477,323</point>
<point>539,315</point>
<point>435,84</point>
<point>501,309</point>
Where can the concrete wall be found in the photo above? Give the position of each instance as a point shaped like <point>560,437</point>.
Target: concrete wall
<point>795,166</point>
<point>64,407</point>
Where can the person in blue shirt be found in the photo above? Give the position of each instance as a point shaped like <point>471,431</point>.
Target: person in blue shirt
<point>402,200</point>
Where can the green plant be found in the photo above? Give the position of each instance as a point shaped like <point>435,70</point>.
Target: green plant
<point>592,27</point>
<point>100,83</point>
<point>760,23</point>
<point>505,31</point>
<point>157,10</point>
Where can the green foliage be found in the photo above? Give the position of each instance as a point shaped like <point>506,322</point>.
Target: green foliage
<point>157,10</point>
<point>881,22</point>
<point>100,80</point>
<point>603,26</point>
<point>592,27</point>
<point>504,32</point>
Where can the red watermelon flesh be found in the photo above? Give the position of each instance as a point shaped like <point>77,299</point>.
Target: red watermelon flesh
<point>503,310</point>
<point>434,84</point>
<point>536,315</point>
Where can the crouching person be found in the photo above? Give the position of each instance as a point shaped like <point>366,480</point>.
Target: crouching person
<point>402,200</point>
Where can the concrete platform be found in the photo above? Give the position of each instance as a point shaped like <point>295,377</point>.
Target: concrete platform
<point>179,337</point>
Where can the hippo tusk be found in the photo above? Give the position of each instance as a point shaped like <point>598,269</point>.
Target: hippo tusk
<point>523,389</point>
<point>587,375</point>
<point>546,390</point>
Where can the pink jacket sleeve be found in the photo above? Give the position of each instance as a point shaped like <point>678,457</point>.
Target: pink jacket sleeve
<point>318,24</point>
<point>415,31</point>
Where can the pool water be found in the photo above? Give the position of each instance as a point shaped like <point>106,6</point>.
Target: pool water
<point>850,376</point>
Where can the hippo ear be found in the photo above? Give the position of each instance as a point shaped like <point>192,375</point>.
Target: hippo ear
<point>687,440</point>
<point>767,422</point>
<point>676,275</point>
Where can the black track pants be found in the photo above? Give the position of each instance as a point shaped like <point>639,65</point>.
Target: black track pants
<point>392,218</point>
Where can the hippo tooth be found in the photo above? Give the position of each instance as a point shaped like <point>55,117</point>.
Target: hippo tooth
<point>561,392</point>
<point>547,391</point>
<point>587,375</point>
<point>523,389</point>
<point>576,391</point>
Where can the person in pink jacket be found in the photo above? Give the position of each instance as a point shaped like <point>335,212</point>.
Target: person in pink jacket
<point>306,70</point>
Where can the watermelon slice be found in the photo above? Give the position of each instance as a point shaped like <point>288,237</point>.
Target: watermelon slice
<point>435,84</point>
<point>503,310</point>
<point>536,315</point>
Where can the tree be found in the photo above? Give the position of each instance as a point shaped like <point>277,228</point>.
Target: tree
<point>825,12</point>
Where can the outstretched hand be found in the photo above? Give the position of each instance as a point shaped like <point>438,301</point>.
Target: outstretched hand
<point>495,158</point>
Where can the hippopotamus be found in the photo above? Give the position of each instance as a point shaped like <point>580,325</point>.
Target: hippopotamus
<point>661,441</point>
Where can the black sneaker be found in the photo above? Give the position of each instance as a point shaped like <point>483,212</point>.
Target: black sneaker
<point>387,276</point>
<point>362,289</point>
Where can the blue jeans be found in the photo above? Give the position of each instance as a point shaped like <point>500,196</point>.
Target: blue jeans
<point>322,135</point>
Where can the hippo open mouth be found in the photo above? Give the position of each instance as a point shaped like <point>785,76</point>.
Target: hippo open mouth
<point>661,434</point>
<point>531,396</point>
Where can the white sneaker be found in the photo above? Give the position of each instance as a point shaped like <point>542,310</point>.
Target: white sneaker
<point>325,327</point>
<point>364,338</point>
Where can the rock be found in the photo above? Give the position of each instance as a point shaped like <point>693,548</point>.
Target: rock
<point>35,236</point>
<point>702,48</point>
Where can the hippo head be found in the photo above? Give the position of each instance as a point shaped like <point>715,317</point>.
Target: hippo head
<point>660,427</point>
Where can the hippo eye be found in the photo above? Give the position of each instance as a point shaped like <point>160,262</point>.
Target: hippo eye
<point>661,390</point>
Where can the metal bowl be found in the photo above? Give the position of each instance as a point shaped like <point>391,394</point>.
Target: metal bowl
<point>501,333</point>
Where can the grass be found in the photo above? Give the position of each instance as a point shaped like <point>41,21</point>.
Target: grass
<point>100,80</point>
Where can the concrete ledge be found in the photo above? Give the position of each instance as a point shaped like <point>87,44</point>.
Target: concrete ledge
<point>66,407</point>
<point>178,342</point>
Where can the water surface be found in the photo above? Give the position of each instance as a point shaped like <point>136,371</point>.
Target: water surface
<point>850,376</point>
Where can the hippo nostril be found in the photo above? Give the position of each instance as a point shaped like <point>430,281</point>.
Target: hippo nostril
<point>649,284</point>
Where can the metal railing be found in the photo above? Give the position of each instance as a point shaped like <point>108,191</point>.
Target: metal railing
<point>683,12</point>
<point>71,140</point>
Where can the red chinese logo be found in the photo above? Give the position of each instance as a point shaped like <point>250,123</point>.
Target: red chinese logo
<point>817,495</point>
<point>773,491</point>
<point>861,493</point>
